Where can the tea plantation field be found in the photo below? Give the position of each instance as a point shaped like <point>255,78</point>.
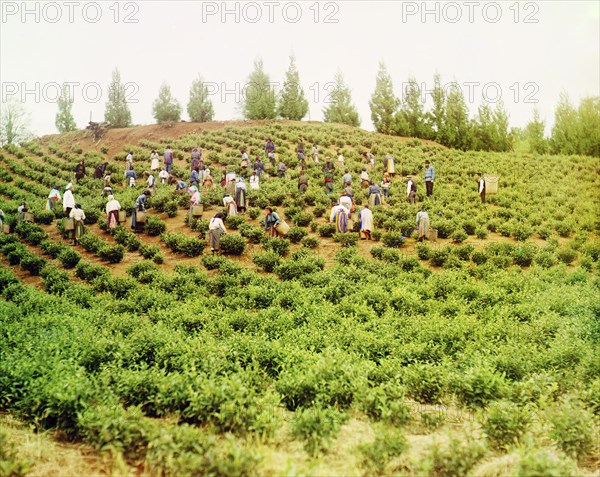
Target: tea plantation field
<point>315,354</point>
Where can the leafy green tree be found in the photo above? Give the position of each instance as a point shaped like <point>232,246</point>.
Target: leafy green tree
<point>341,109</point>
<point>14,122</point>
<point>260,101</point>
<point>502,137</point>
<point>588,126</point>
<point>412,110</point>
<point>483,129</point>
<point>64,118</point>
<point>435,117</point>
<point>457,131</point>
<point>117,112</point>
<point>384,103</point>
<point>200,108</point>
<point>564,132</point>
<point>534,132</point>
<point>166,108</point>
<point>292,103</point>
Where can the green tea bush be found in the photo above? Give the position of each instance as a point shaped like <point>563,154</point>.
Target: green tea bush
<point>152,252</point>
<point>278,245</point>
<point>253,212</point>
<point>296,234</point>
<point>252,233</point>
<point>316,426</point>
<point>572,429</point>
<point>69,258</point>
<point>45,217</point>
<point>181,243</point>
<point>425,383</point>
<point>154,225</point>
<point>267,261</point>
<point>439,256</point>
<point>302,218</point>
<point>91,243</point>
<point>476,387</point>
<point>459,236</point>
<point>385,402</point>
<point>393,239</point>
<point>89,272</point>
<point>293,269</point>
<point>32,263</point>
<point>56,281</point>
<point>111,253</point>
<point>319,211</point>
<point>138,269</point>
<point>326,230</point>
<point>455,457</point>
<point>212,262</point>
<point>479,257</point>
<point>463,252</point>
<point>310,242</point>
<point>52,248</point>
<point>524,254</point>
<point>521,232</point>
<point>544,463</point>
<point>349,239</point>
<point>545,259</point>
<point>505,423</point>
<point>481,233</point>
<point>423,251</point>
<point>233,244</point>
<point>388,443</point>
<point>566,255</point>
<point>235,221</point>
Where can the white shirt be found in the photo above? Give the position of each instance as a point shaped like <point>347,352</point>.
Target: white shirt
<point>408,187</point>
<point>216,224</point>
<point>335,210</point>
<point>341,158</point>
<point>364,176</point>
<point>346,202</point>
<point>366,219</point>
<point>154,163</point>
<point>112,205</point>
<point>241,185</point>
<point>68,200</point>
<point>227,199</point>
<point>481,182</point>
<point>77,214</point>
<point>150,180</point>
<point>254,182</point>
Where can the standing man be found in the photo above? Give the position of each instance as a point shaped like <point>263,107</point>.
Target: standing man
<point>481,183</point>
<point>68,199</point>
<point>429,178</point>
<point>168,159</point>
<point>411,191</point>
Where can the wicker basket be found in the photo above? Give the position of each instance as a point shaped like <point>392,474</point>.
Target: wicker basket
<point>122,216</point>
<point>68,225</point>
<point>282,228</point>
<point>491,184</point>
<point>197,210</point>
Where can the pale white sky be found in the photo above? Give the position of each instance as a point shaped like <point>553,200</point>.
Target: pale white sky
<point>525,51</point>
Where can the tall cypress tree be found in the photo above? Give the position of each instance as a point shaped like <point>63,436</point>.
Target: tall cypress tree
<point>117,112</point>
<point>340,108</point>
<point>384,103</point>
<point>412,110</point>
<point>200,108</point>
<point>166,108</point>
<point>534,132</point>
<point>64,117</point>
<point>457,131</point>
<point>260,100</point>
<point>438,111</point>
<point>292,103</point>
<point>564,132</point>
